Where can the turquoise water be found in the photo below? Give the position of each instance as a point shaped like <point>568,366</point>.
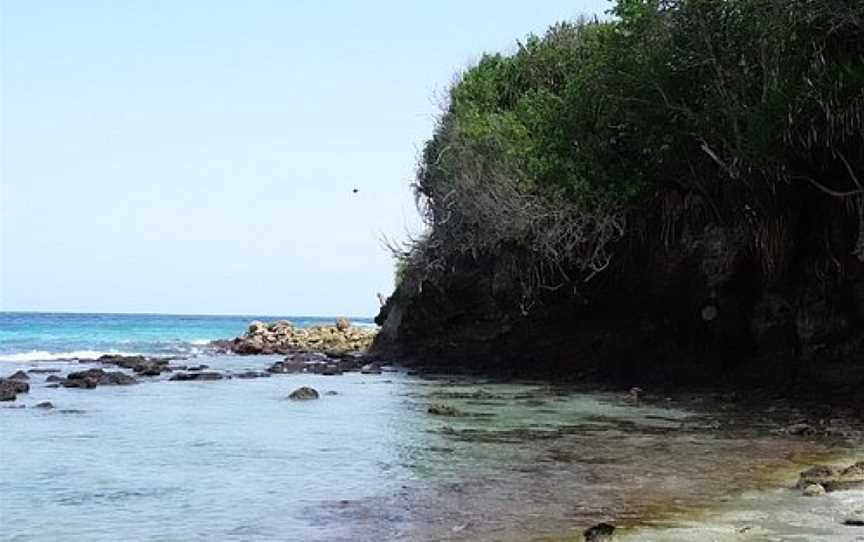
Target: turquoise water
<point>236,460</point>
<point>40,336</point>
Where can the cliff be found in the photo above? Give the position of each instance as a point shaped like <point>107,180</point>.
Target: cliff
<point>673,194</point>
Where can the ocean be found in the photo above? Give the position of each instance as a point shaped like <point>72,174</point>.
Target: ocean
<point>235,459</point>
<point>35,336</point>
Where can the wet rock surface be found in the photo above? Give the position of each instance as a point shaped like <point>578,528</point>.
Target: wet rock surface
<point>91,378</point>
<point>832,478</point>
<point>199,376</point>
<point>10,388</point>
<point>304,393</point>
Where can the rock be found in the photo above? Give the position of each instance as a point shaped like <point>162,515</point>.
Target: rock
<point>855,519</point>
<point>602,532</point>
<point>444,410</point>
<point>253,374</point>
<point>331,393</point>
<point>9,389</point>
<point>45,404</point>
<point>54,378</point>
<point>814,490</point>
<point>833,479</point>
<point>210,375</point>
<point>18,375</point>
<point>92,377</point>
<point>303,394</point>
<point>820,474</point>
<point>257,327</point>
<point>117,378</point>
<point>43,371</point>
<point>342,323</point>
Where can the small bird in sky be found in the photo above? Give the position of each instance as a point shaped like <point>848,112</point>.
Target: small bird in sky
<point>356,190</point>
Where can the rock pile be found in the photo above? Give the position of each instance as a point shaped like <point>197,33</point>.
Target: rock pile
<point>283,337</point>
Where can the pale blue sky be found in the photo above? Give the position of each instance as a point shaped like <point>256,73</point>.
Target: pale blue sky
<point>199,156</point>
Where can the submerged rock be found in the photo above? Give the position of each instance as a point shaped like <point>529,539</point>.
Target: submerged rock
<point>833,479</point>
<point>444,410</point>
<point>253,374</point>
<point>303,394</point>
<point>45,404</point>
<point>209,375</point>
<point>602,532</point>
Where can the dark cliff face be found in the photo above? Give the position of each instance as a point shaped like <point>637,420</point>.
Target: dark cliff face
<point>705,306</point>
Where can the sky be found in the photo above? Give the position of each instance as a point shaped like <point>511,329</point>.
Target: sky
<point>200,156</point>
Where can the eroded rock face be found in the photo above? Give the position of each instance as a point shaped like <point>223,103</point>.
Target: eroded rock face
<point>282,337</point>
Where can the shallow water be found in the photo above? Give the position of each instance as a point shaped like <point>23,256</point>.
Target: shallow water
<point>235,460</point>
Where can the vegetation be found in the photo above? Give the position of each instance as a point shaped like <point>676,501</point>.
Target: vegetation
<point>548,164</point>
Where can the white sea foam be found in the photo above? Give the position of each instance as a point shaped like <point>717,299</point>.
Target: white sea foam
<point>200,342</point>
<point>41,355</point>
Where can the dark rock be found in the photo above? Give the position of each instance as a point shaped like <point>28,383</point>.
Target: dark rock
<point>117,378</point>
<point>87,383</point>
<point>10,388</point>
<point>444,410</point>
<point>54,378</point>
<point>92,377</point>
<point>181,376</point>
<point>253,374</point>
<point>602,532</point>
<point>331,393</point>
<point>45,404</point>
<point>18,375</point>
<point>43,371</point>
<point>303,394</point>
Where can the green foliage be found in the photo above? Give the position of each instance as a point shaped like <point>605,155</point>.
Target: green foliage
<point>742,102</point>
